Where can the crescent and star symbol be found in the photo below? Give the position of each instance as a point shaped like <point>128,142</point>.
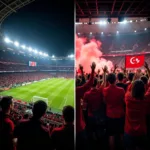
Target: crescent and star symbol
<point>134,60</point>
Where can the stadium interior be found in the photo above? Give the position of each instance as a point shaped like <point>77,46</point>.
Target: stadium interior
<point>107,32</point>
<point>30,75</point>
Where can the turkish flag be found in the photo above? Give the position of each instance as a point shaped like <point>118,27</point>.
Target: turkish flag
<point>134,61</point>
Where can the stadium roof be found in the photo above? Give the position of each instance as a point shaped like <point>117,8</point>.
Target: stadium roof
<point>8,7</point>
<point>112,8</point>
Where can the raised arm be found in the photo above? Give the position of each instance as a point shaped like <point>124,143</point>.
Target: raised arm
<point>147,68</point>
<point>90,81</point>
<point>82,74</point>
<point>105,70</point>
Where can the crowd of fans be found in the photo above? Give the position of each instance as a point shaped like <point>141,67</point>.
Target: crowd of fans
<point>10,79</point>
<point>9,66</point>
<point>130,41</point>
<point>113,109</point>
<point>35,129</point>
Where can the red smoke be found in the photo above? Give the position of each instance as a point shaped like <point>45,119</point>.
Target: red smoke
<point>86,53</point>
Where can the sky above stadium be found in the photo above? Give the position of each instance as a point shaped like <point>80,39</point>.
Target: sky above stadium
<point>44,25</point>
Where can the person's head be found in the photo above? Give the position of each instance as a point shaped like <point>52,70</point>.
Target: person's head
<point>68,114</point>
<point>144,79</point>
<point>130,76</point>
<point>39,109</point>
<point>138,89</point>
<point>6,103</point>
<point>111,78</point>
<point>95,82</point>
<point>120,76</point>
<point>26,116</point>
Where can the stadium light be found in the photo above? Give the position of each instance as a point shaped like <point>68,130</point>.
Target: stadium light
<point>45,54</point>
<point>30,49</point>
<point>40,53</point>
<point>7,40</point>
<point>53,56</point>
<point>102,22</point>
<point>135,31</point>
<point>102,33</point>
<point>16,43</point>
<point>71,56</point>
<point>35,51</point>
<point>145,29</point>
<point>124,22</point>
<point>23,46</point>
<point>117,32</point>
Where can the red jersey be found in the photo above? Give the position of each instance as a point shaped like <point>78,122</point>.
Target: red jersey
<point>80,124</point>
<point>63,137</point>
<point>94,99</point>
<point>114,99</point>
<point>6,132</point>
<point>136,110</point>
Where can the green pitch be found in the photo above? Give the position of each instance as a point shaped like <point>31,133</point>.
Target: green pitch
<point>59,91</point>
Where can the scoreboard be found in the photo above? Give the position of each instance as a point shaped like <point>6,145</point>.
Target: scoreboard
<point>32,63</point>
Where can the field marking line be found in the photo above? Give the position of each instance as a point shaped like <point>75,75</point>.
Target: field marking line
<point>60,90</point>
<point>63,104</point>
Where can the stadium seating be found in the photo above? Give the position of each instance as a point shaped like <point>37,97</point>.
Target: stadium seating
<point>135,42</point>
<point>49,120</point>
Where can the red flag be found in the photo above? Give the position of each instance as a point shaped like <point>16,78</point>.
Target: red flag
<point>134,61</point>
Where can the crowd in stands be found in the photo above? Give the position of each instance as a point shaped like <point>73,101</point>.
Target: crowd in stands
<point>113,109</point>
<point>135,42</point>
<point>9,66</point>
<point>9,79</point>
<point>25,127</point>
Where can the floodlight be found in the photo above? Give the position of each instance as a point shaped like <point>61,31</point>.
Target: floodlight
<point>7,40</point>
<point>23,46</point>
<point>30,49</point>
<point>71,56</point>
<point>35,51</point>
<point>16,43</point>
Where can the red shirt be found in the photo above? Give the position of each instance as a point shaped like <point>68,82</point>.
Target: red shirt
<point>31,134</point>
<point>93,98</point>
<point>80,124</point>
<point>136,110</point>
<point>114,99</point>
<point>63,137</point>
<point>6,132</point>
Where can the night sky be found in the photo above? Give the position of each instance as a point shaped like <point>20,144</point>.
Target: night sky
<point>43,26</point>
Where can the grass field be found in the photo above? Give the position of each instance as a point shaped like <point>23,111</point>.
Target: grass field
<point>59,91</point>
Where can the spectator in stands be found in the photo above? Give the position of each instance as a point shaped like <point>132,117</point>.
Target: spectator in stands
<point>93,100</point>
<point>63,137</point>
<point>145,81</point>
<point>135,120</point>
<point>120,77</point>
<point>114,99</point>
<point>130,78</point>
<point>6,125</point>
<point>80,125</point>
<point>31,134</point>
